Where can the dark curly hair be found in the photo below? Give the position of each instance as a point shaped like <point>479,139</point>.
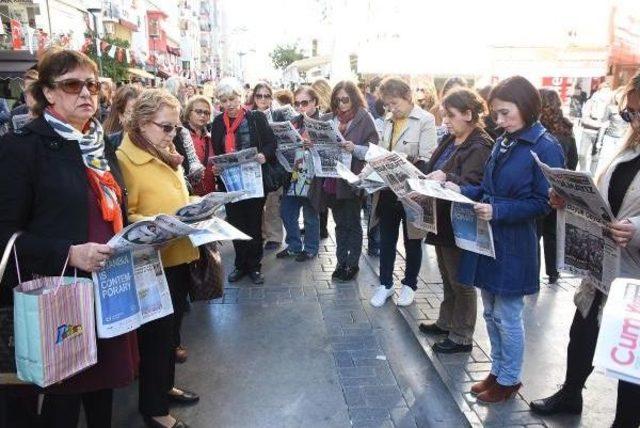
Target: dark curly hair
<point>551,115</point>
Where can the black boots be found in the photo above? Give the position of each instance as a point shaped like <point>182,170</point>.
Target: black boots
<point>562,401</point>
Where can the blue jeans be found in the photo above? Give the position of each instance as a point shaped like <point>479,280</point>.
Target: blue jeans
<point>503,316</point>
<point>290,211</point>
<point>391,214</point>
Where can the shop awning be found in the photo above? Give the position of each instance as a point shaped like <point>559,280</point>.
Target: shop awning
<point>13,64</point>
<point>141,73</point>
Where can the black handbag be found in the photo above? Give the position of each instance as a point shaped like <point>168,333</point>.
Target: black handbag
<point>207,274</point>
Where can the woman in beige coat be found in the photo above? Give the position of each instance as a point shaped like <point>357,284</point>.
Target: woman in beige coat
<point>620,186</point>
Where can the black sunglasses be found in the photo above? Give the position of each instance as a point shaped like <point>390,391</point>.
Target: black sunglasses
<point>302,103</point>
<point>167,128</point>
<point>74,86</point>
<point>261,96</point>
<point>629,115</point>
<point>201,112</point>
<point>343,100</point>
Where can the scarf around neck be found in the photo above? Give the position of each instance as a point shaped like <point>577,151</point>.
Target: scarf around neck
<point>344,117</point>
<point>231,128</point>
<point>101,180</point>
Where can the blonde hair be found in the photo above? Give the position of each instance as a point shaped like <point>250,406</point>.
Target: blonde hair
<point>632,139</point>
<point>191,102</point>
<point>323,89</point>
<point>148,103</point>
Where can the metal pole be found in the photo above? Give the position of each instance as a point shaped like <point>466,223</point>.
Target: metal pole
<point>98,53</point>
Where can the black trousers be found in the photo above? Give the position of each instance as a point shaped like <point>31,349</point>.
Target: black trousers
<point>157,344</point>
<point>247,217</point>
<point>582,346</point>
<point>63,411</point>
<point>324,219</point>
<point>547,232</point>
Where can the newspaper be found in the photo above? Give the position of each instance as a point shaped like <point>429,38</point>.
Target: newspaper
<point>207,206</point>
<point>584,247</point>
<point>395,171</point>
<point>421,211</point>
<point>240,171</point>
<point>130,290</point>
<point>435,189</point>
<point>471,233</point>
<point>327,148</point>
<point>289,142</point>
<point>617,352</point>
<point>371,183</point>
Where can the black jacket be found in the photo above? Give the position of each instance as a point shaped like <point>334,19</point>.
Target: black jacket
<point>44,193</point>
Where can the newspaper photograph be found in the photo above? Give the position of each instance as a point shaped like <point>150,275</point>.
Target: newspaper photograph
<point>617,352</point>
<point>395,171</point>
<point>241,172</point>
<point>421,211</point>
<point>371,183</point>
<point>285,133</point>
<point>584,247</point>
<point>287,153</point>
<point>327,151</point>
<point>207,206</point>
<point>129,291</point>
<point>471,233</point>
<point>436,189</point>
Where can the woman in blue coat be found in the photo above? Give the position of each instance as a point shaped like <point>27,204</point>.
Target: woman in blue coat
<point>513,193</point>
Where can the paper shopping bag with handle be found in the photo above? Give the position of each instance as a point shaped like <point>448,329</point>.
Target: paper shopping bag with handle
<point>54,323</point>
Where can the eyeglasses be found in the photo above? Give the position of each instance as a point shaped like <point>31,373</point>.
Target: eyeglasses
<point>262,96</point>
<point>167,128</point>
<point>303,103</point>
<point>202,112</point>
<point>629,115</point>
<point>74,86</point>
<point>344,100</point>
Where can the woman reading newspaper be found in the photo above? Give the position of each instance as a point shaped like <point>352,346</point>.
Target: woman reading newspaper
<point>619,183</point>
<point>513,193</point>
<point>234,130</point>
<point>152,170</point>
<point>63,189</point>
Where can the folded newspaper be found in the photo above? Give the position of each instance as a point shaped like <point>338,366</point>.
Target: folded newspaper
<point>240,171</point>
<point>289,141</point>
<point>371,183</point>
<point>195,221</point>
<point>617,351</point>
<point>584,245</point>
<point>327,148</point>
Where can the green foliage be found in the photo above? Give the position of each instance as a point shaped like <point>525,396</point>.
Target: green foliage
<point>283,56</point>
<point>117,71</point>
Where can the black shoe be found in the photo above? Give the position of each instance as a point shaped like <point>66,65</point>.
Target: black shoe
<point>560,402</point>
<point>431,329</point>
<point>373,252</point>
<point>286,253</point>
<point>350,273</point>
<point>324,234</point>
<point>553,279</point>
<point>256,277</point>
<point>337,274</point>
<point>271,245</point>
<point>448,346</point>
<point>152,423</point>
<point>304,256</point>
<point>187,397</point>
<point>236,275</point>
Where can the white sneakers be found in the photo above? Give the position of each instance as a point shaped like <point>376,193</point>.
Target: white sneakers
<point>383,293</point>
<point>406,296</point>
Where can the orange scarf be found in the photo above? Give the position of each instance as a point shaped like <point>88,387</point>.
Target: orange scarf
<point>110,209</point>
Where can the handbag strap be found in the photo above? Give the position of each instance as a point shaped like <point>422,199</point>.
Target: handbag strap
<point>7,253</point>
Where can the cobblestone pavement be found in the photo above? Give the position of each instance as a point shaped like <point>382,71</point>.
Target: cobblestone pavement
<point>302,350</point>
<point>547,316</point>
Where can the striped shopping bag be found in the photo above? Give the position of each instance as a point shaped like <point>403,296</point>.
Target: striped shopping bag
<point>54,327</point>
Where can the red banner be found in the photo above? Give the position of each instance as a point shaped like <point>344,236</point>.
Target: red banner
<point>16,34</point>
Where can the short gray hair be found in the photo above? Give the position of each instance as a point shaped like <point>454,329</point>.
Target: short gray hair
<point>229,87</point>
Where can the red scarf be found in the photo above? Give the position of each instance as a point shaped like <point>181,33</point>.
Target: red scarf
<point>231,128</point>
<point>344,117</point>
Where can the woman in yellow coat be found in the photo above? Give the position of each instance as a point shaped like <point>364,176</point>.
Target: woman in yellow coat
<point>155,185</point>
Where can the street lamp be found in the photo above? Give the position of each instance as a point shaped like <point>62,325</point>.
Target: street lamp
<point>94,11</point>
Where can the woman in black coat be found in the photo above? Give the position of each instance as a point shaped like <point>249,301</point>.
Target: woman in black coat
<point>234,130</point>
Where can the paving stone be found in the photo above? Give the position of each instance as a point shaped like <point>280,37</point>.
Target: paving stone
<point>403,418</point>
<point>349,372</point>
<point>369,414</point>
<point>383,396</point>
<point>478,367</point>
<point>354,397</point>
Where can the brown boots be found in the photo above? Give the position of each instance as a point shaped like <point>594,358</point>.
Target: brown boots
<point>490,391</point>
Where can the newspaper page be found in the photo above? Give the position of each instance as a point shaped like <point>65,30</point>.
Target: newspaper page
<point>327,148</point>
<point>207,206</point>
<point>395,171</point>
<point>129,291</point>
<point>471,233</point>
<point>240,171</point>
<point>436,189</point>
<point>617,352</point>
<point>289,142</point>
<point>584,247</point>
<point>371,183</point>
<point>421,211</point>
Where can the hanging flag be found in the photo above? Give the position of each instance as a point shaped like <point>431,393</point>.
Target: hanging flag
<point>42,40</point>
<point>2,33</point>
<point>128,56</point>
<point>16,34</point>
<point>120,55</point>
<point>101,46</point>
<point>85,46</point>
<point>112,51</point>
<point>30,33</point>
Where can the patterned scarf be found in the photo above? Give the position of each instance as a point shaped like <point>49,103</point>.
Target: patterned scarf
<point>230,138</point>
<point>101,180</point>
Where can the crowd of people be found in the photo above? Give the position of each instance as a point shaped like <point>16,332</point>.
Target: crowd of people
<point>91,160</point>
